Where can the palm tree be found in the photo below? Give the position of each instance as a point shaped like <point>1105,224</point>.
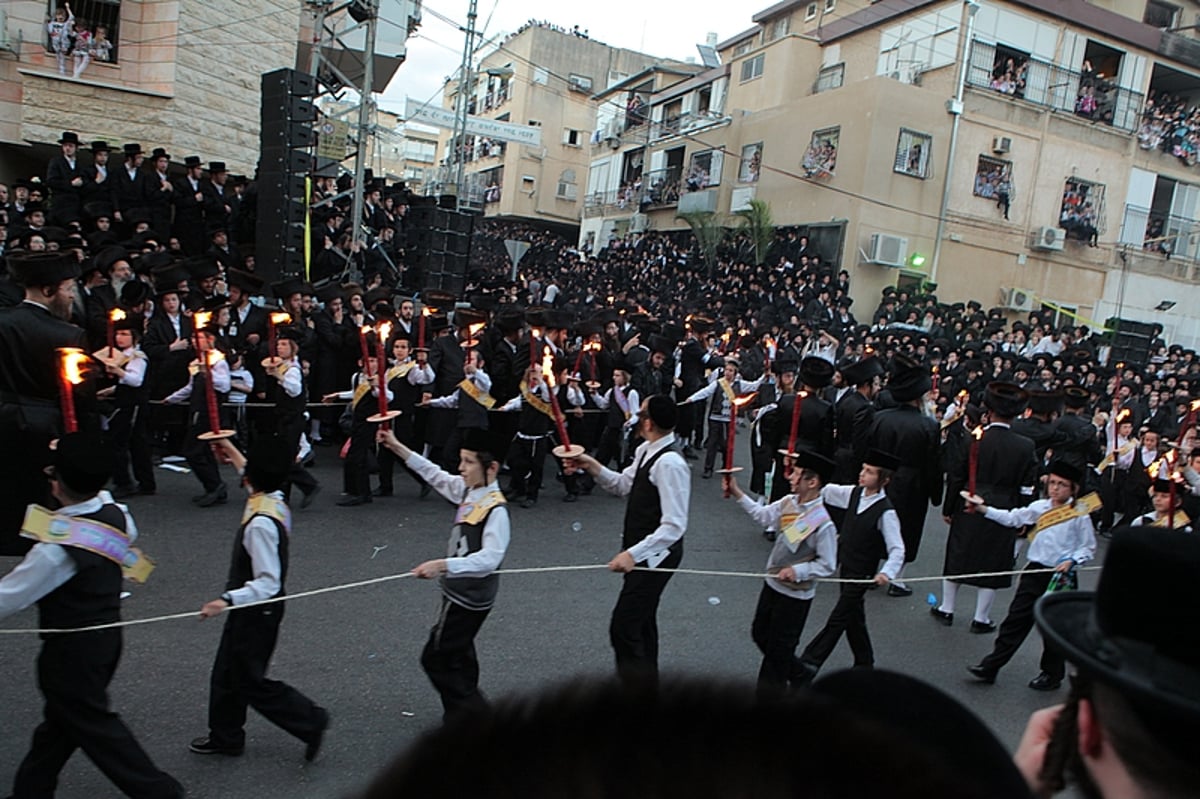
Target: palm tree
<point>758,227</point>
<point>709,234</point>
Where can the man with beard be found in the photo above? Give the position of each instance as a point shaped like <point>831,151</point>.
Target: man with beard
<point>112,263</point>
<point>30,334</point>
<point>854,413</point>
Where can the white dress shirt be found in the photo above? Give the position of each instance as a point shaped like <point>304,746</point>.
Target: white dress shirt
<point>673,479</point>
<point>261,542</point>
<point>838,496</point>
<point>1074,539</point>
<point>497,530</point>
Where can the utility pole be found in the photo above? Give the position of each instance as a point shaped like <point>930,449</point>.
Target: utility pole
<point>466,76</point>
<point>366,121</point>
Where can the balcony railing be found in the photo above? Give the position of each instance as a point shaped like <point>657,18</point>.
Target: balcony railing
<point>1050,85</point>
<point>685,123</point>
<point>1169,235</point>
<point>662,188</point>
<point>657,189</point>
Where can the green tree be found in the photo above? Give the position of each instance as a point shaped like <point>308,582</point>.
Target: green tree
<point>758,227</point>
<point>709,234</point>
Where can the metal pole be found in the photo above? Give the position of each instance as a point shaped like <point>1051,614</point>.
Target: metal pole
<point>955,108</point>
<point>462,105</point>
<point>366,117</point>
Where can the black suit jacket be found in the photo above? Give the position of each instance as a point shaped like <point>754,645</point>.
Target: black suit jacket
<point>167,370</point>
<point>66,201</point>
<point>128,195</point>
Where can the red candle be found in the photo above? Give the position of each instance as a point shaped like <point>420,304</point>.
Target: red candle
<point>973,462</point>
<point>421,329</point>
<point>592,360</point>
<point>70,375</point>
<point>385,329</point>
<point>210,392</point>
<point>791,447</point>
<point>733,409</point>
<point>366,352</point>
<point>559,420</point>
<point>579,358</point>
<point>935,383</point>
<point>114,316</point>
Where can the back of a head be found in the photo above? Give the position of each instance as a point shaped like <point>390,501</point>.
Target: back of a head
<point>688,738</point>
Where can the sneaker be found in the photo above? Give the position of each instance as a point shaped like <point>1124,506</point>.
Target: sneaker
<point>205,746</point>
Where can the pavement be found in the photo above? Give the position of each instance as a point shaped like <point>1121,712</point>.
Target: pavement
<point>356,651</point>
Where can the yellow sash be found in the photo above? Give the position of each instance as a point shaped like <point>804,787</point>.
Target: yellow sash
<point>474,514</point>
<point>361,390</point>
<point>400,370</point>
<point>1111,457</point>
<point>1181,521</point>
<point>281,369</point>
<point>728,389</point>
<point>44,525</point>
<point>267,505</point>
<point>798,526</point>
<point>535,401</point>
<point>473,391</point>
<point>1081,507</point>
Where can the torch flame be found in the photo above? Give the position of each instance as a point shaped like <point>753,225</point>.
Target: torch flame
<point>962,395</point>
<point>1124,414</point>
<point>548,367</point>
<point>1154,469</point>
<point>935,370</point>
<point>740,401</point>
<point>280,318</point>
<point>73,361</point>
<point>475,328</point>
<point>1195,406</point>
<point>977,433</point>
<point>365,329</point>
<point>426,311</point>
<point>116,314</point>
<point>385,330</point>
<point>201,319</point>
<point>214,357</point>
<point>536,332</point>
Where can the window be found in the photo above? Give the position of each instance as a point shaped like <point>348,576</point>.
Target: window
<point>420,150</point>
<point>912,153</point>
<point>96,23</point>
<point>820,160</point>
<point>993,178</point>
<point>753,67</point>
<point>566,185</point>
<point>579,83</point>
<point>704,170</point>
<point>830,78</point>
<point>743,47</point>
<point>573,138</point>
<point>541,75</point>
<point>751,164</point>
<point>1082,212</point>
<point>810,13</point>
<point>1160,14</point>
<point>777,29</point>
<point>830,5</point>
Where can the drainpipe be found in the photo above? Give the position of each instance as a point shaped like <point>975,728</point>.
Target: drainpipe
<point>954,107</point>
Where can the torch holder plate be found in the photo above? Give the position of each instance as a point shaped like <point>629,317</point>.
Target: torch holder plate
<point>379,418</point>
<point>573,451</point>
<point>217,436</point>
<point>730,470</point>
<point>272,362</point>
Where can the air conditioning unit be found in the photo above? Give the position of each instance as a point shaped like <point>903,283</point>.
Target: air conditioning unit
<point>1016,299</point>
<point>1048,238</point>
<point>1001,144</point>
<point>613,142</point>
<point>639,223</point>
<point>887,250</point>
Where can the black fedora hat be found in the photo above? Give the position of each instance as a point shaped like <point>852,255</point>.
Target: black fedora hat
<point>159,152</point>
<point>816,372</point>
<point>814,461</point>
<point>1151,658</point>
<point>100,146</point>
<point>1005,399</point>
<point>131,149</point>
<point>1043,401</point>
<point>69,137</point>
<point>216,167</point>
<point>862,370</point>
<point>192,161</point>
<point>909,379</point>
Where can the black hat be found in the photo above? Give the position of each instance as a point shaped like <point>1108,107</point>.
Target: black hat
<point>268,462</point>
<point>1042,401</point>
<point>785,363</point>
<point>437,298</point>
<point>167,279</point>
<point>98,209</point>
<point>663,411</point>
<point>909,379</point>
<point>69,137</point>
<point>557,320</point>
<point>100,146</point>
<point>607,315</point>
<point>135,292</point>
<point>212,305</point>
<point>216,167</point>
<point>201,267</point>
<point>330,292</point>
<point>83,461</point>
<point>816,372</point>
<point>884,460</point>
<point>289,286</point>
<point>476,440</point>
<point>290,332</point>
<point>352,289</point>
<point>131,149</point>
<point>1067,471</point>
<point>1152,659</point>
<point>862,370</point>
<point>509,322</point>
<point>1075,397</point>
<point>814,461</point>
<point>192,161</point>
<point>380,295</point>
<point>107,258</point>
<point>700,324</point>
<point>159,152</point>
<point>247,282</point>
<point>1005,399</point>
<point>673,332</point>
<point>465,317</point>
<point>661,344</point>
<point>33,270</point>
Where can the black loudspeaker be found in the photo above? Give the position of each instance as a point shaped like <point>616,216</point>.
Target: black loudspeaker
<point>288,82</point>
<point>286,134</point>
<point>1130,326</point>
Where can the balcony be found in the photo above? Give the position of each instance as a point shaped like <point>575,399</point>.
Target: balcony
<point>1051,86</point>
<point>626,200</point>
<point>1170,245</point>
<point>686,122</point>
<point>663,188</point>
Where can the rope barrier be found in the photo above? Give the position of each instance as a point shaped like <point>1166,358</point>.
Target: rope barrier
<point>192,614</point>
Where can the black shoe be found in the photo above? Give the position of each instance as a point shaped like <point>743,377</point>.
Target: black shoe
<point>983,627</point>
<point>941,615</point>
<point>352,501</point>
<point>124,492</point>
<point>570,498</point>
<point>983,674</point>
<point>707,474</point>
<point>314,743</point>
<point>895,589</point>
<point>690,453</point>
<point>218,496</point>
<point>529,502</point>
<point>205,746</point>
<point>425,489</point>
<point>309,497</point>
<point>769,535</point>
<point>1044,682</point>
<point>381,492</point>
<point>803,673</point>
<point>196,499</point>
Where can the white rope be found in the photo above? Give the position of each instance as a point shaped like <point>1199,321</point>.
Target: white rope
<point>527,570</point>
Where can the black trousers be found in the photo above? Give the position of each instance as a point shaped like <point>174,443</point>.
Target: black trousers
<point>848,616</point>
<point>450,661</point>
<point>73,673</point>
<point>718,433</point>
<point>609,447</point>
<point>239,680</point>
<point>776,630</point>
<point>526,465</point>
<point>633,628</point>
<point>130,430</point>
<point>402,426</point>
<point>1018,623</point>
<point>356,466</point>
<point>199,454</point>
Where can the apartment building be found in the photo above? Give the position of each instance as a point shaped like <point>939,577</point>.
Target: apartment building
<point>1067,172</point>
<point>542,76</point>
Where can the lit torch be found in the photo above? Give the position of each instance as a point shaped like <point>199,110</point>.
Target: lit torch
<point>277,318</point>
<point>973,463</point>
<point>72,360</point>
<point>565,449</point>
<point>114,316</point>
<point>381,336</point>
<point>734,407</point>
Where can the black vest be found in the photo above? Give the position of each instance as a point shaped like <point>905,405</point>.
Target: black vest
<point>643,512</point>
<point>241,569</point>
<point>289,409</point>
<point>472,593</point>
<point>405,395</point>
<point>616,417</point>
<point>93,595</point>
<point>198,401</point>
<point>470,412</point>
<point>860,542</point>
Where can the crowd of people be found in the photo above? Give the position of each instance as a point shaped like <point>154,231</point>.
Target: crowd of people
<point>1172,125</point>
<point>635,355</point>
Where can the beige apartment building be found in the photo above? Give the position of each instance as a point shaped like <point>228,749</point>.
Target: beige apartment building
<point>1073,182</point>
<point>542,76</point>
<point>183,75</point>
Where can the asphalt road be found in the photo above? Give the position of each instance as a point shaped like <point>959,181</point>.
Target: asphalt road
<point>356,651</point>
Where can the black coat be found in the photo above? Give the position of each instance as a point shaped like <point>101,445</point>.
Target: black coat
<point>915,439</point>
<point>168,370</point>
<point>66,201</point>
<point>446,358</point>
<point>128,195</point>
<point>190,226</point>
<point>853,415</point>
